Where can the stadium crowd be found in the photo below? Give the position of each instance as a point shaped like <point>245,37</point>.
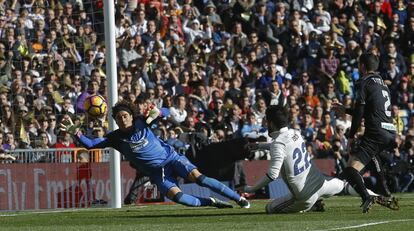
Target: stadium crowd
<point>216,64</point>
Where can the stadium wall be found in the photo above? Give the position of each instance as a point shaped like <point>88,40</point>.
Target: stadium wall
<point>80,185</point>
<point>57,185</point>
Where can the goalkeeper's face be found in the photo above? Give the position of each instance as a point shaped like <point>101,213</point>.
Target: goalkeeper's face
<point>124,120</point>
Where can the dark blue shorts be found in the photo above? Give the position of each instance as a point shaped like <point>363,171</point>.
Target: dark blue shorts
<point>166,177</point>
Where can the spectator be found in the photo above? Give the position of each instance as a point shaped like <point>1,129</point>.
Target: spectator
<point>92,89</point>
<point>259,110</point>
<point>43,142</point>
<point>329,65</point>
<point>178,112</point>
<point>98,132</point>
<point>251,128</point>
<point>9,143</point>
<point>129,53</point>
<point>310,98</point>
<point>274,95</point>
<point>392,74</point>
<point>391,52</point>
<point>308,127</point>
<point>266,80</point>
<point>65,141</point>
<point>173,140</point>
<point>326,131</point>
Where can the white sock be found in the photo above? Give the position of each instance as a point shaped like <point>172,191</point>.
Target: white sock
<point>350,190</point>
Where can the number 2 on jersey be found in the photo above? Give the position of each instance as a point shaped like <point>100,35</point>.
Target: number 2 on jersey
<point>387,103</point>
<point>302,160</point>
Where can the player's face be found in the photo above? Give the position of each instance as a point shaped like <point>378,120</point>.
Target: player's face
<point>124,120</point>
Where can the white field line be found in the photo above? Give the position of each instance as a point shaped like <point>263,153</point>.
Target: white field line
<point>366,224</point>
<point>60,211</point>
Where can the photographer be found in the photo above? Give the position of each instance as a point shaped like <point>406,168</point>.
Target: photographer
<point>400,166</point>
<point>338,152</point>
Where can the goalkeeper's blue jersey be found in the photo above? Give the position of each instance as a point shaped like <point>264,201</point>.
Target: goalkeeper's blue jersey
<point>140,146</point>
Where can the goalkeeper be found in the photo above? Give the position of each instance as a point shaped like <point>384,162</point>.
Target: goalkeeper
<point>155,158</point>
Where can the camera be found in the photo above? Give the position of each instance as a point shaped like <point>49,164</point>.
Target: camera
<point>336,146</point>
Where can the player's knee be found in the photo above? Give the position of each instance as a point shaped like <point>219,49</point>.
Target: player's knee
<point>272,209</point>
<point>346,173</point>
<point>193,175</point>
<point>200,180</point>
<point>176,198</point>
<point>351,175</point>
<point>343,175</point>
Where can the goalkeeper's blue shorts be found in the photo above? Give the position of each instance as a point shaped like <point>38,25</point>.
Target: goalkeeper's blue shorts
<point>166,177</point>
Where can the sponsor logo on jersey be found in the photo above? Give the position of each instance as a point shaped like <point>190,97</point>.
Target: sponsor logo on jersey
<point>137,145</point>
<point>137,142</point>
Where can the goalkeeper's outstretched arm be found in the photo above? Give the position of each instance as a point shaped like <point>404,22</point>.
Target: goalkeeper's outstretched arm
<point>92,143</point>
<point>69,127</point>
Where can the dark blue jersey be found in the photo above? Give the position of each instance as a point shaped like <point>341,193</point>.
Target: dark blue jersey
<point>140,146</point>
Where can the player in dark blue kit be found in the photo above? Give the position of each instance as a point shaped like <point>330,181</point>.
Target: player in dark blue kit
<point>373,104</point>
<point>152,156</point>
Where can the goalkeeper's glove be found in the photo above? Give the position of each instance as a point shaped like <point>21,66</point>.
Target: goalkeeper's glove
<point>68,126</point>
<point>152,114</point>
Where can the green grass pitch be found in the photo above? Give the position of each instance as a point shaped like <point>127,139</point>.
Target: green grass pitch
<point>342,213</point>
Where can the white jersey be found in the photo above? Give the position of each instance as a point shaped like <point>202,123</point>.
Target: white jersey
<point>290,159</point>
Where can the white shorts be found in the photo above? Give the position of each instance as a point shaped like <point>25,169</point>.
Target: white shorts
<point>289,204</point>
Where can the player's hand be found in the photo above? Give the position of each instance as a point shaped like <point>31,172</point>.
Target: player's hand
<point>68,126</point>
<point>338,107</point>
<point>152,114</point>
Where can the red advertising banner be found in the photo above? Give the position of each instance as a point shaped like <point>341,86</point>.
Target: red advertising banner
<point>52,186</point>
<point>80,185</point>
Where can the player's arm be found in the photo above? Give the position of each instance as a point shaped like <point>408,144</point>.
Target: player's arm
<point>357,116</point>
<point>358,112</point>
<point>89,143</point>
<point>277,154</point>
<point>258,146</point>
<point>68,126</point>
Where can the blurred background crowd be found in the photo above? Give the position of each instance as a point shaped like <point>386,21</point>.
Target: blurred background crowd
<point>216,64</point>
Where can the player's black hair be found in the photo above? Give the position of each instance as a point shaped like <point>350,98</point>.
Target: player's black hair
<point>123,106</point>
<point>370,61</point>
<point>278,116</point>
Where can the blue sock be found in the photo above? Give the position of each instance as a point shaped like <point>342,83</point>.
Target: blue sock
<point>189,200</point>
<point>217,187</point>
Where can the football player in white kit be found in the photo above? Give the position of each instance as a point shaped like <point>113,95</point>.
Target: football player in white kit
<point>290,159</point>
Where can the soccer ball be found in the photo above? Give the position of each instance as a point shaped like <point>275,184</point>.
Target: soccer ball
<point>95,106</point>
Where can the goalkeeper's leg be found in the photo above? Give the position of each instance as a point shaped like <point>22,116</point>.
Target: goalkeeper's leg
<point>167,184</point>
<point>179,197</point>
<point>186,169</point>
<point>176,195</point>
<point>218,187</point>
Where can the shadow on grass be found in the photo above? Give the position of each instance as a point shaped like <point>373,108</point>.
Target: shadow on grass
<point>189,215</point>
